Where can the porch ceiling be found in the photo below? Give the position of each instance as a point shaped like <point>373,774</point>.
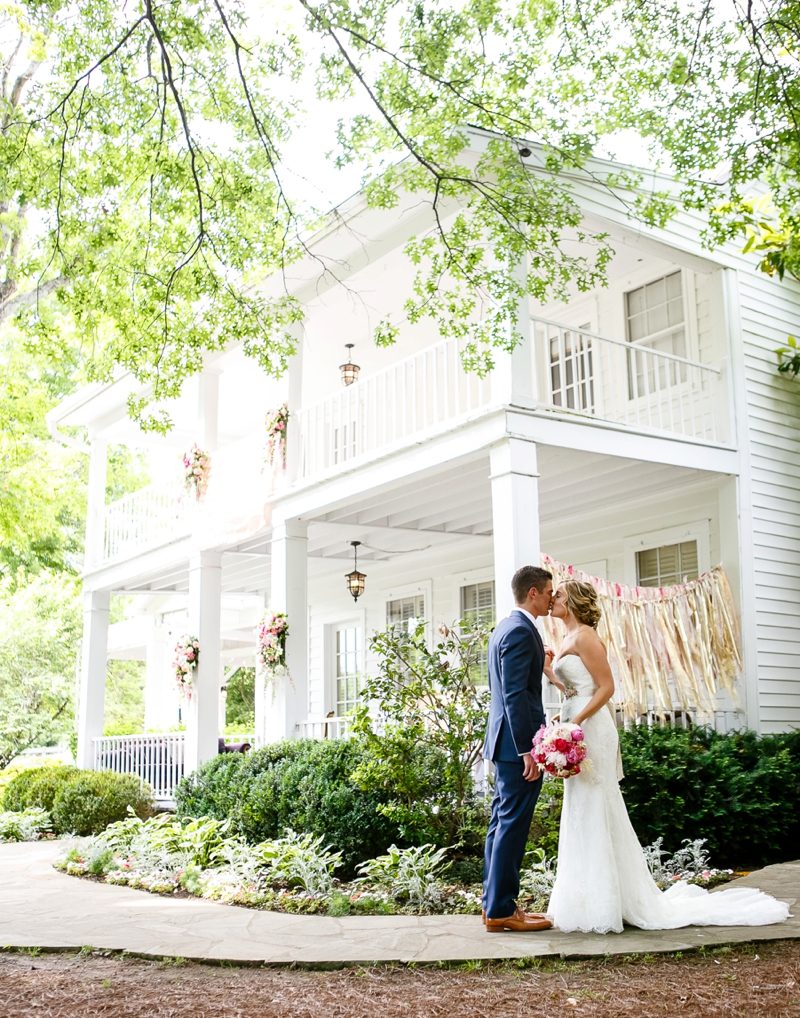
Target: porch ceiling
<point>451,506</point>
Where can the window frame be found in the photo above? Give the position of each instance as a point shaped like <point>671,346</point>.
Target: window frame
<point>330,623</point>
<point>423,587</point>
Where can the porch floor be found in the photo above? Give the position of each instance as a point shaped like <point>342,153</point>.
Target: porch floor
<point>40,907</point>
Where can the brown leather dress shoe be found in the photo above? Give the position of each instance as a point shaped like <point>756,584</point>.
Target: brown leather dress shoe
<point>519,922</point>
<point>530,915</point>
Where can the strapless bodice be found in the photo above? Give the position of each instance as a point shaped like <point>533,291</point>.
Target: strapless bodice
<point>575,675</point>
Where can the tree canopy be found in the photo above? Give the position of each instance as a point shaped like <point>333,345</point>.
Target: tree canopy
<point>143,193</point>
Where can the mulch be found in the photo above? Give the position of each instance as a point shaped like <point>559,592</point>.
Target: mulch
<point>760,979</point>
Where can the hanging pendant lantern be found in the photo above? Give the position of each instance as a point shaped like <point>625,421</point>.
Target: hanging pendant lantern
<point>355,580</point>
<point>349,370</point>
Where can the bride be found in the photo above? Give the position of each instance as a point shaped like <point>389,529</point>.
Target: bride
<point>602,878</point>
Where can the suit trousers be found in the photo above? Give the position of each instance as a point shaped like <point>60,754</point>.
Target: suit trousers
<point>512,812</point>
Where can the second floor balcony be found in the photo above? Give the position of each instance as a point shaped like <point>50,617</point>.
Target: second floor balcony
<point>576,375</point>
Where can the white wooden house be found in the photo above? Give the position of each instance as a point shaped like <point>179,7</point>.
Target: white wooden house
<point>639,468</point>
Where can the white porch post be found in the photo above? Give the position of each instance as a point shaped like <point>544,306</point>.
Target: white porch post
<point>208,410</point>
<point>96,500</point>
<point>202,711</point>
<point>160,697</point>
<point>289,593</point>
<point>515,514</point>
<point>91,702</point>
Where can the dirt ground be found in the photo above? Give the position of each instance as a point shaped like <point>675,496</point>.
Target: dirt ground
<point>761,979</point>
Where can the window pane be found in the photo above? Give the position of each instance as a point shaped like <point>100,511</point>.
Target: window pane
<point>405,610</point>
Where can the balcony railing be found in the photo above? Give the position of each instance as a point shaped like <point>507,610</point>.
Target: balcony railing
<point>624,383</point>
<point>148,517</point>
<point>410,399</point>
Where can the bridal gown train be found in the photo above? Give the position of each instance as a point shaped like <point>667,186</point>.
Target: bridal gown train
<point>603,879</point>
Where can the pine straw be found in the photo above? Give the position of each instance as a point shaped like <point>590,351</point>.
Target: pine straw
<point>749,980</point>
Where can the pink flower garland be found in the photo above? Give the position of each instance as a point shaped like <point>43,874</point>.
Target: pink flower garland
<point>276,423</point>
<point>196,470</point>
<point>187,651</point>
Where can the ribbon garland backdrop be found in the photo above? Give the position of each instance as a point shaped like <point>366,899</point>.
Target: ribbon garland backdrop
<point>671,648</point>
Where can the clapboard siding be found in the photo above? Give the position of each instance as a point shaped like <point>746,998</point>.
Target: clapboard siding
<point>770,311</point>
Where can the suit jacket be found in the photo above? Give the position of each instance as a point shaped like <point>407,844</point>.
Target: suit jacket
<point>516,664</point>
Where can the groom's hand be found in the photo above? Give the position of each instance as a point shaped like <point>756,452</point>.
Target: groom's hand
<point>531,768</point>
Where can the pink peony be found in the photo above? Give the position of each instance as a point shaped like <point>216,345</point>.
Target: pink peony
<point>577,735</point>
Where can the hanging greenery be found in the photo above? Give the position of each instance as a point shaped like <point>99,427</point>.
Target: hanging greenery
<point>671,648</point>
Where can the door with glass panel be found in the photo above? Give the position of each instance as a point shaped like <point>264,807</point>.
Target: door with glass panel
<point>347,670</point>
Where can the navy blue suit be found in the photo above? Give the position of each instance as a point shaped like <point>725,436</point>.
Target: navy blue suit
<point>516,664</point>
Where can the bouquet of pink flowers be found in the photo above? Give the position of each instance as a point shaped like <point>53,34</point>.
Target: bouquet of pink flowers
<point>559,749</point>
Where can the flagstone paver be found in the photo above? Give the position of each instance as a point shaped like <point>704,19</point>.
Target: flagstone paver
<point>40,907</point>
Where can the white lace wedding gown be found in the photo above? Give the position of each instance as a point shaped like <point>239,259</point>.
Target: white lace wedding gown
<point>603,879</point>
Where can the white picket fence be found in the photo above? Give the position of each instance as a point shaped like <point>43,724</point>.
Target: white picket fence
<point>323,728</point>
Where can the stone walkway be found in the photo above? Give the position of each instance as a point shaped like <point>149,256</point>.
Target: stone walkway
<point>40,907</point>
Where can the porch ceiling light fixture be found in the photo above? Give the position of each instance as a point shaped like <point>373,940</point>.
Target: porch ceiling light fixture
<point>355,580</point>
<point>349,370</point>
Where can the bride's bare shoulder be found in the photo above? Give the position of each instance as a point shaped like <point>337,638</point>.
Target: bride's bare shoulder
<point>587,639</point>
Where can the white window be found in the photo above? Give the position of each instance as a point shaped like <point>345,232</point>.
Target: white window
<point>477,603</point>
<point>478,606</point>
<point>667,565</point>
<point>347,667</point>
<point>656,319</point>
<point>406,611</point>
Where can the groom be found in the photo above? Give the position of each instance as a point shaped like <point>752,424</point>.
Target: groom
<point>516,662</point>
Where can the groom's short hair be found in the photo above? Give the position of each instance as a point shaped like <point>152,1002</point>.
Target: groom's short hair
<point>527,577</point>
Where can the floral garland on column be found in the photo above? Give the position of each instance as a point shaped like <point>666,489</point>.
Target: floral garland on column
<point>196,471</point>
<point>276,423</point>
<point>271,632</point>
<point>187,652</point>
<point>670,647</point>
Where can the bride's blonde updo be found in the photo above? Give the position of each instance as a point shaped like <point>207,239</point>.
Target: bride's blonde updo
<point>581,602</point>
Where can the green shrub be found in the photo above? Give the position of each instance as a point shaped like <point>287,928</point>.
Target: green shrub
<point>301,784</point>
<point>94,799</point>
<point>738,791</point>
<point>37,787</point>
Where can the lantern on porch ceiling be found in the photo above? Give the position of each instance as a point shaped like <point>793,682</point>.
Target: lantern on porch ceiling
<point>355,580</point>
<point>349,370</point>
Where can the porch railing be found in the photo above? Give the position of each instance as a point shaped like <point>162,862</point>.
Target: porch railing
<point>323,728</point>
<point>411,398</point>
<point>156,758</point>
<point>148,517</point>
<point>581,372</point>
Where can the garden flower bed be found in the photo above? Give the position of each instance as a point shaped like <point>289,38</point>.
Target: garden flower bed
<point>296,873</point>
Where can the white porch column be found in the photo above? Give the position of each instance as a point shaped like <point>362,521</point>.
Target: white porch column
<point>91,700</point>
<point>96,500</point>
<point>202,711</point>
<point>160,691</point>
<point>295,403</point>
<point>289,593</point>
<point>208,410</point>
<point>515,514</point>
